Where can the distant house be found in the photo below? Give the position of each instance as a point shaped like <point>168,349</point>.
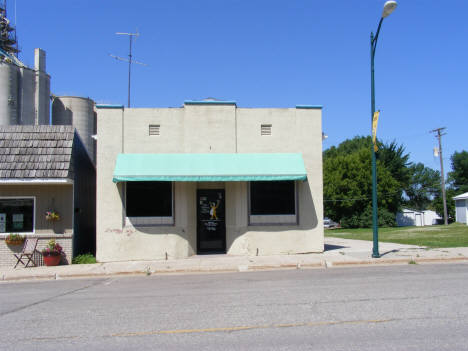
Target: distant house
<point>461,207</point>
<point>409,217</point>
<point>46,168</point>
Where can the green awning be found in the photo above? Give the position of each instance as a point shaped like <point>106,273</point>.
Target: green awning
<point>208,167</point>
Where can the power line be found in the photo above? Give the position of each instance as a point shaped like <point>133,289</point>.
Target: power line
<point>412,136</point>
<point>365,197</point>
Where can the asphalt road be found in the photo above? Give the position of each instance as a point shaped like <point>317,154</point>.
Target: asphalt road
<point>404,307</point>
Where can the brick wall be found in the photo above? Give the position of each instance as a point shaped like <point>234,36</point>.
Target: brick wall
<point>8,260</point>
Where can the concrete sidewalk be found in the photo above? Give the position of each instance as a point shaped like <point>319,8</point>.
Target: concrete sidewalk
<point>338,252</point>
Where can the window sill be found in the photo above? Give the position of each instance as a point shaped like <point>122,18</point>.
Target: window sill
<point>273,220</point>
<point>149,221</point>
<point>273,224</point>
<point>37,235</point>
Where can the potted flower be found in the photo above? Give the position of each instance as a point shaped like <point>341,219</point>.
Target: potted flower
<point>52,216</point>
<point>14,239</point>
<point>52,253</point>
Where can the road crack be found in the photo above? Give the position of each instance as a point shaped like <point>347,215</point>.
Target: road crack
<point>51,298</point>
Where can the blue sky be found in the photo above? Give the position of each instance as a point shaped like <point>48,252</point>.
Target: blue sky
<point>268,54</point>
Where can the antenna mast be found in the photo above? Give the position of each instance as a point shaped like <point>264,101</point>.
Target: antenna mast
<point>129,59</point>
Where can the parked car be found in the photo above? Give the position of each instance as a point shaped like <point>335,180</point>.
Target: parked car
<point>328,223</point>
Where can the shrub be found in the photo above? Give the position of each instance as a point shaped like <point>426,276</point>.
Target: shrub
<point>364,220</point>
<point>84,259</point>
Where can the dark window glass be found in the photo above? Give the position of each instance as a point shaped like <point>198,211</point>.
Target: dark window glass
<point>272,198</point>
<point>149,199</point>
<point>17,215</point>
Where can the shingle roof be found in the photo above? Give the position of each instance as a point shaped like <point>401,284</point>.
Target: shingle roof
<point>31,151</point>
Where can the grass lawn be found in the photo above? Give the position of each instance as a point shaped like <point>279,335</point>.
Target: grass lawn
<point>453,235</point>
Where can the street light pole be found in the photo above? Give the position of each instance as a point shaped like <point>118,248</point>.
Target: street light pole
<point>389,7</point>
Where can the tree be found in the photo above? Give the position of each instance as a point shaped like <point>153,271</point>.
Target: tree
<point>391,155</point>
<point>366,219</point>
<point>393,158</point>
<point>348,184</point>
<point>423,186</point>
<point>458,178</point>
<point>437,204</point>
<point>457,184</point>
<point>347,188</point>
<point>349,146</point>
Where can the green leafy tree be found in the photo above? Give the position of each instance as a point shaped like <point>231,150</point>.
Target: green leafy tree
<point>423,186</point>
<point>348,184</point>
<point>458,178</point>
<point>393,157</point>
<point>366,219</point>
<point>349,146</point>
<point>437,204</point>
<point>457,184</point>
<point>348,180</point>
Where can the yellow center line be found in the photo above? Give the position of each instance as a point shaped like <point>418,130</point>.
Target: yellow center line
<point>248,327</point>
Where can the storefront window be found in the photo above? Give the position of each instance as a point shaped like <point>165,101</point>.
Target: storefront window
<point>17,215</point>
<point>273,203</point>
<point>149,199</point>
<point>272,198</point>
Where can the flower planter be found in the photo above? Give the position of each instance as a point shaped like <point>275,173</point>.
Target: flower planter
<point>52,216</point>
<point>51,258</point>
<point>14,242</point>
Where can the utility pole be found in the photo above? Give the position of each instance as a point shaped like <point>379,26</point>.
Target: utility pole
<point>439,136</point>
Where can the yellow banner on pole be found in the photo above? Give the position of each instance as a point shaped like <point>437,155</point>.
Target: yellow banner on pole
<point>375,120</point>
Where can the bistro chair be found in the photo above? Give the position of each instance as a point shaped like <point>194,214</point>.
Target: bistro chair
<point>28,251</point>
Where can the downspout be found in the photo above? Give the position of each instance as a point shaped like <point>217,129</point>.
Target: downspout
<point>235,120</point>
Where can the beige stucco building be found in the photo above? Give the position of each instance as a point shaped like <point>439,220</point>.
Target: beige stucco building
<point>208,177</point>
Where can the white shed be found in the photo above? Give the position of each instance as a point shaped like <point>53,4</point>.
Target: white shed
<point>409,217</point>
<point>461,207</point>
<point>430,217</point>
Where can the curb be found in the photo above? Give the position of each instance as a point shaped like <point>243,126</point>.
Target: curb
<point>244,268</point>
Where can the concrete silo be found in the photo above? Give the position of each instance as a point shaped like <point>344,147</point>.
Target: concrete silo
<point>79,112</point>
<point>24,92</point>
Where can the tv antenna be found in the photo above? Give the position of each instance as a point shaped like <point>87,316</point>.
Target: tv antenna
<point>129,59</point>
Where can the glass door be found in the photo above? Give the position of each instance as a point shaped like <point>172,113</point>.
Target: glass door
<point>211,220</point>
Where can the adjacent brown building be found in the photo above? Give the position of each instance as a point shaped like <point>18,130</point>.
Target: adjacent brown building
<point>46,168</point>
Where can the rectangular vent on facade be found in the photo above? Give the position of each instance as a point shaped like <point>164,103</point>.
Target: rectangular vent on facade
<point>154,129</point>
<point>266,129</point>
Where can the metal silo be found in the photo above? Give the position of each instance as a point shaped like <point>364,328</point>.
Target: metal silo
<point>79,112</point>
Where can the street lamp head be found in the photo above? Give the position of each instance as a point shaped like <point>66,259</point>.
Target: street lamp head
<point>388,8</point>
